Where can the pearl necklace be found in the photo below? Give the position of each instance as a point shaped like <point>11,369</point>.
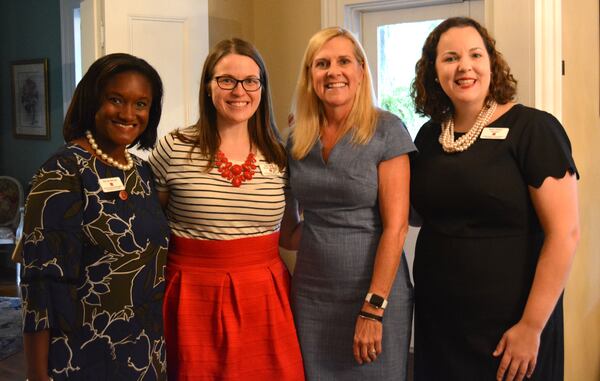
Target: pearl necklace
<point>446,139</point>
<point>105,157</point>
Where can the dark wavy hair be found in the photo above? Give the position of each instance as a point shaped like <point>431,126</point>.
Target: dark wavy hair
<point>261,126</point>
<point>429,97</point>
<point>90,90</point>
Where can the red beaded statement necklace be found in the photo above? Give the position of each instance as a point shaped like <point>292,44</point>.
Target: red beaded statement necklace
<point>236,173</point>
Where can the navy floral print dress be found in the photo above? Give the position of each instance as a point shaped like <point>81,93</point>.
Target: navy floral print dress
<point>93,269</point>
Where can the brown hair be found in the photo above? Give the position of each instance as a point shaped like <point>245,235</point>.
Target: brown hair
<point>429,97</point>
<point>261,126</point>
<point>90,90</point>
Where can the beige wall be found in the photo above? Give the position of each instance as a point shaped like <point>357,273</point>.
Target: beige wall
<point>280,29</point>
<point>581,117</point>
<point>230,18</point>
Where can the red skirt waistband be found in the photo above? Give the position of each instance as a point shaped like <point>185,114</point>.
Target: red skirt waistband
<point>223,253</point>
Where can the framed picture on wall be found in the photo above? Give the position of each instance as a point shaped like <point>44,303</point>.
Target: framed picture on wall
<point>29,82</point>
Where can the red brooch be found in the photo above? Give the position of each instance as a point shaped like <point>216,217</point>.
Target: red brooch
<point>235,172</point>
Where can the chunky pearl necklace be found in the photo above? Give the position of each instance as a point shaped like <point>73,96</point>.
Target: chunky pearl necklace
<point>108,159</point>
<point>446,139</point>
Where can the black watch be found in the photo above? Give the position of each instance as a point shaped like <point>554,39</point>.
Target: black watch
<point>376,301</point>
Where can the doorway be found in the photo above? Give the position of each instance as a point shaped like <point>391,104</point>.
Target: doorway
<point>393,40</point>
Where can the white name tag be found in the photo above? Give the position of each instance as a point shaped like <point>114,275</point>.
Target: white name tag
<point>111,184</point>
<point>269,169</point>
<point>498,133</point>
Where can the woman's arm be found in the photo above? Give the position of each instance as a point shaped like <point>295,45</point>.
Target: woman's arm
<point>52,254</point>
<point>163,199</point>
<point>393,189</point>
<point>36,345</point>
<point>291,225</point>
<point>555,203</point>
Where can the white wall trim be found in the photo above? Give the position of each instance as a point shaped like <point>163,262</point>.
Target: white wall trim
<point>92,29</point>
<point>548,56</point>
<point>67,50</point>
<point>347,13</point>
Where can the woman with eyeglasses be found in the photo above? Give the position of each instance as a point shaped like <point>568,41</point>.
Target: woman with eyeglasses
<point>223,183</point>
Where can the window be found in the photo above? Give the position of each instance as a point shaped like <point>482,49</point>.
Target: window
<point>393,41</point>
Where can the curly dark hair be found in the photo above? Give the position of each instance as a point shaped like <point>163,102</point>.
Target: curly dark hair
<point>429,97</point>
<point>261,126</point>
<point>88,97</point>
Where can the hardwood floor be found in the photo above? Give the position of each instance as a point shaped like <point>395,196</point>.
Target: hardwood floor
<point>13,368</point>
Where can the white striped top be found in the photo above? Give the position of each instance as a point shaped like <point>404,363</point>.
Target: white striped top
<point>204,205</point>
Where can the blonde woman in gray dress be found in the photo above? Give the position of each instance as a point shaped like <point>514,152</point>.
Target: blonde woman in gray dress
<point>349,171</point>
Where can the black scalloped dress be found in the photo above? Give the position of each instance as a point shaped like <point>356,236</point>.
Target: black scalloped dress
<point>479,244</point>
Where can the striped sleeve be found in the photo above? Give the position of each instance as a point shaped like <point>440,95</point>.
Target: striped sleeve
<point>159,160</point>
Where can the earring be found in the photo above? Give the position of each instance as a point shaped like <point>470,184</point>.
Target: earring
<point>437,80</point>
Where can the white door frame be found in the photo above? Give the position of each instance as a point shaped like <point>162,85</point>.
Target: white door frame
<point>347,13</point>
<point>67,50</point>
<point>542,48</point>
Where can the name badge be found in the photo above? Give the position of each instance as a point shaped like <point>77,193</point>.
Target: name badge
<point>269,169</point>
<point>498,133</point>
<point>111,184</point>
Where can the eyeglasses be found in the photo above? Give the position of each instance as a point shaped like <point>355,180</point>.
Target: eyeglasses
<point>230,83</point>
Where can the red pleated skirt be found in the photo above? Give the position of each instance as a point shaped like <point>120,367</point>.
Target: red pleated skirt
<point>226,311</point>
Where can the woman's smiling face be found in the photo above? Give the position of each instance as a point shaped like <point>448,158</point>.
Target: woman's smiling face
<point>124,110</point>
<point>336,73</point>
<point>237,105</point>
<point>463,66</point>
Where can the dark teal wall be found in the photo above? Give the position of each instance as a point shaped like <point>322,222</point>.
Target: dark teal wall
<point>29,29</point>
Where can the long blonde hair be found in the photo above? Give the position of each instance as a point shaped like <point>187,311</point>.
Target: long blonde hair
<point>308,109</point>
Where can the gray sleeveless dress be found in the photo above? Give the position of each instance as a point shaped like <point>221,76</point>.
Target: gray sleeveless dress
<point>342,227</point>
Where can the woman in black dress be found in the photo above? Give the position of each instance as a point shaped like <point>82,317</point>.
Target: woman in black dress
<point>495,186</point>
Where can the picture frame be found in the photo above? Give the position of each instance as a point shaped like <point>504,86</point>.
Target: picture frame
<point>29,84</point>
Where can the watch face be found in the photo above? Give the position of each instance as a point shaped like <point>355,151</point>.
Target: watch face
<point>376,300</point>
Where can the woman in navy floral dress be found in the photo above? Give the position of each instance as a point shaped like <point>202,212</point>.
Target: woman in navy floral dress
<point>95,238</point>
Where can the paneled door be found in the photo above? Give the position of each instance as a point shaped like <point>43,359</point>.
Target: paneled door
<point>171,35</point>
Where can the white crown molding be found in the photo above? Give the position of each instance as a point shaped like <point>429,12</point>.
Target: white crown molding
<point>67,50</point>
<point>346,13</point>
<point>548,56</point>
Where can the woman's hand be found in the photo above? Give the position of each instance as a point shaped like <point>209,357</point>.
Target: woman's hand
<point>519,349</point>
<point>367,339</point>
<point>393,191</point>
